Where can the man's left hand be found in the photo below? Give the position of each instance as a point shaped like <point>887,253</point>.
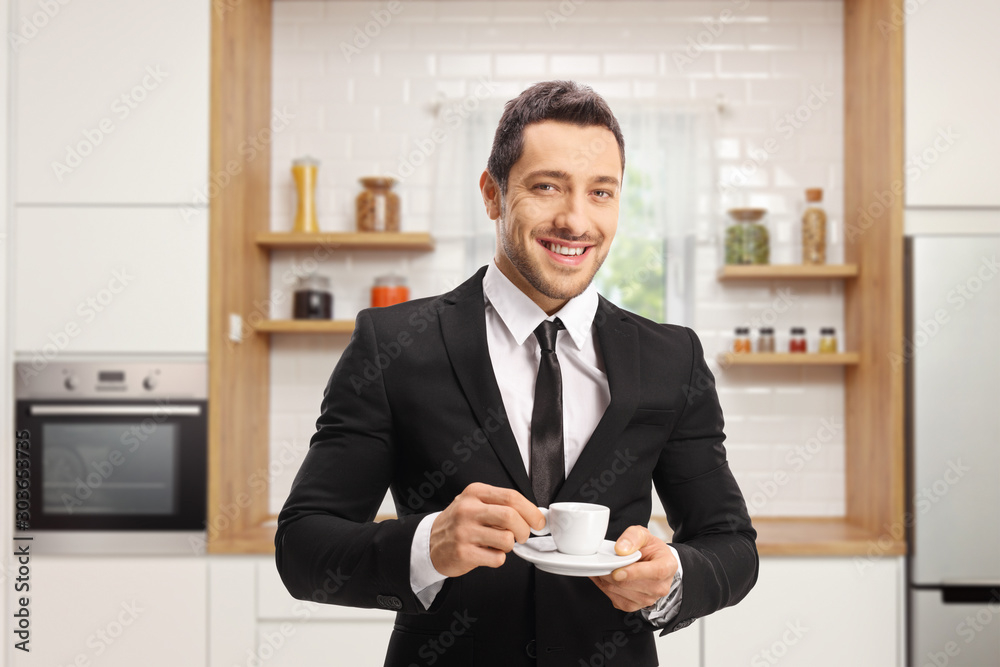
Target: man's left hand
<point>645,581</point>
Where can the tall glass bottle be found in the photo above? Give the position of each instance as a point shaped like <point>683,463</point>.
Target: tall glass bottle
<point>814,228</point>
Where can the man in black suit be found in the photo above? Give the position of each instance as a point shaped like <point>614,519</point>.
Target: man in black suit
<point>471,422</point>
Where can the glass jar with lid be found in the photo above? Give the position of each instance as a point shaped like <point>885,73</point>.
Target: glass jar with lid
<point>814,228</point>
<point>389,290</point>
<point>747,240</point>
<point>741,341</point>
<point>797,340</point>
<point>377,206</point>
<point>765,339</point>
<point>828,340</point>
<point>313,300</point>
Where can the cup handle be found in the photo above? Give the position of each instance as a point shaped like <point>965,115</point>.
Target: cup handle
<point>545,529</point>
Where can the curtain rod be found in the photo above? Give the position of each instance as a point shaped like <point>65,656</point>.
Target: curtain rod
<point>720,103</point>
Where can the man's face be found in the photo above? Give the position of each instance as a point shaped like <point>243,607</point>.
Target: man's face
<point>560,213</point>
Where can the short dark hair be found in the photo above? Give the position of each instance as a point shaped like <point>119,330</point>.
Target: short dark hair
<point>565,101</point>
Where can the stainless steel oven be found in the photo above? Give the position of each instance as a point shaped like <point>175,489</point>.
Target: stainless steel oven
<point>117,455</point>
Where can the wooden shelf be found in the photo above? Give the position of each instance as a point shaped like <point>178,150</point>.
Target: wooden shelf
<point>787,271</point>
<point>416,241</point>
<point>809,536</point>
<point>835,536</point>
<point>726,359</point>
<point>306,326</point>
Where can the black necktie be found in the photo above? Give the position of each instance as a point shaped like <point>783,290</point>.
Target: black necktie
<point>546,418</point>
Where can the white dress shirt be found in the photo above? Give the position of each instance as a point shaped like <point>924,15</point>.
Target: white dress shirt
<point>511,319</point>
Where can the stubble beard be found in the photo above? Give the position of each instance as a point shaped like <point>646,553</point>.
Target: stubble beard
<point>532,272</point>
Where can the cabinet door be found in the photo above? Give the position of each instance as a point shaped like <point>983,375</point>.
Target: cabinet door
<point>110,280</point>
<point>111,100</point>
<point>117,612</point>
<point>821,612</point>
<point>952,60</point>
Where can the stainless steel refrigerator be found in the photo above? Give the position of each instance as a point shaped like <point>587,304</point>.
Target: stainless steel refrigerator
<point>952,357</point>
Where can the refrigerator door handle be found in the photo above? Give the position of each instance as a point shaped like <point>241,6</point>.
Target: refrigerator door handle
<point>970,594</point>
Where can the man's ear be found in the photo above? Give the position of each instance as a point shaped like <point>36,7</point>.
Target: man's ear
<point>491,195</point>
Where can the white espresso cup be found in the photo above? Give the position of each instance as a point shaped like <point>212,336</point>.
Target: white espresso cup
<point>577,528</point>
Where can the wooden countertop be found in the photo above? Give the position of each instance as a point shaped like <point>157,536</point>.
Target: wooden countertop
<point>775,537</point>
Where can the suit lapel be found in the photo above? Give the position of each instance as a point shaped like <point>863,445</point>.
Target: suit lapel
<point>619,345</point>
<point>463,327</point>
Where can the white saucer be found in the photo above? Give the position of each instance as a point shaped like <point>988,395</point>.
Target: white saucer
<point>542,552</point>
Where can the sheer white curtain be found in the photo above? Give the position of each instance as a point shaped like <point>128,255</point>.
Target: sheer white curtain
<point>667,200</point>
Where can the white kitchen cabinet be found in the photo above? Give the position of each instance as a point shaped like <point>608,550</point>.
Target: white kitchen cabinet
<point>952,59</point>
<point>110,280</point>
<point>117,612</point>
<point>111,100</point>
<point>821,612</point>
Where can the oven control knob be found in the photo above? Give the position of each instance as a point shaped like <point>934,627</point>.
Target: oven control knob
<point>71,382</point>
<point>150,382</point>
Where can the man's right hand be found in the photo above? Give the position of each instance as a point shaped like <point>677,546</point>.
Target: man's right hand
<point>479,527</point>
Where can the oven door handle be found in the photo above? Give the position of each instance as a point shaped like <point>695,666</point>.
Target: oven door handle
<point>101,410</point>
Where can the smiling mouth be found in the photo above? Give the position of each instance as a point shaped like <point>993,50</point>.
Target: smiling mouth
<point>566,251</point>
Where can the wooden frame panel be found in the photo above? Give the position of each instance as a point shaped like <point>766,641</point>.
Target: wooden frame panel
<point>239,278</point>
<point>873,305</point>
<point>239,520</point>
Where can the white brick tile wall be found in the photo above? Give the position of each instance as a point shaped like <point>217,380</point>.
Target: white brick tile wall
<point>361,111</point>
<point>575,65</point>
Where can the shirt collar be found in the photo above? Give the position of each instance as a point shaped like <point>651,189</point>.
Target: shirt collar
<point>522,316</point>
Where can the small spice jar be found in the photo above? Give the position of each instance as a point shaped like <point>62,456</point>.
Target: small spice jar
<point>747,239</point>
<point>741,343</point>
<point>313,300</point>
<point>828,340</point>
<point>377,206</point>
<point>389,290</point>
<point>765,339</point>
<point>797,341</point>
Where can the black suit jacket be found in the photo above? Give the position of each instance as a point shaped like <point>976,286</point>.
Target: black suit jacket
<point>413,406</point>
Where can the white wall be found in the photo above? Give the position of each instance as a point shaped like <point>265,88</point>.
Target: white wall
<point>363,117</point>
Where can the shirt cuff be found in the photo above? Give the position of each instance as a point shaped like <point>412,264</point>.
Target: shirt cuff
<point>667,607</point>
<point>425,581</point>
